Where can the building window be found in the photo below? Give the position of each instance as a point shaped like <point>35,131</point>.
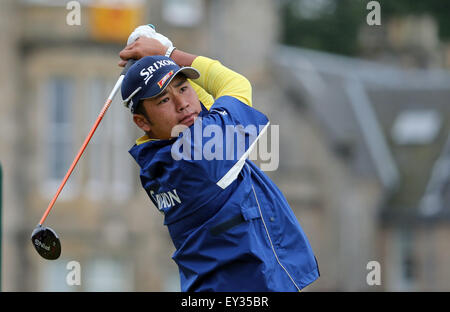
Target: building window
<point>104,274</point>
<point>416,127</point>
<point>59,133</point>
<point>121,136</point>
<point>52,277</point>
<point>313,9</point>
<point>183,13</point>
<point>100,274</point>
<point>108,169</point>
<point>97,152</point>
<point>109,164</point>
<point>405,263</point>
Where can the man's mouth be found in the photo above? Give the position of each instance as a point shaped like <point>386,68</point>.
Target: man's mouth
<point>188,120</point>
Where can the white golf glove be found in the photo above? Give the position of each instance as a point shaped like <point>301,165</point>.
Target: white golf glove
<point>150,32</point>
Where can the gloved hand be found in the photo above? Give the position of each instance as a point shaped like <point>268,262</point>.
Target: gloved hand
<point>149,32</point>
<point>140,48</point>
<point>156,45</point>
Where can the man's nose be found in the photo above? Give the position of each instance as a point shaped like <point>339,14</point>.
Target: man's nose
<point>181,103</point>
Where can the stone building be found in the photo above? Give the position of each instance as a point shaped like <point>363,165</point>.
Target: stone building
<point>56,82</point>
<point>337,167</point>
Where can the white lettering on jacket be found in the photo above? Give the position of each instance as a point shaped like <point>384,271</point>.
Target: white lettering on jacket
<point>166,199</point>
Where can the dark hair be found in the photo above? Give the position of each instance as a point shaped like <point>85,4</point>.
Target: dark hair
<point>182,75</point>
<point>139,109</point>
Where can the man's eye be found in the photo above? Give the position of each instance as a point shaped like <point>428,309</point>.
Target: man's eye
<point>183,89</point>
<point>164,100</point>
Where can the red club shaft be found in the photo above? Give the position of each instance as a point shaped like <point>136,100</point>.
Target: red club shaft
<point>77,158</point>
<point>88,138</point>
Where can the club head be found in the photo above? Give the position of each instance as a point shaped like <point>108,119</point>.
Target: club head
<point>46,242</point>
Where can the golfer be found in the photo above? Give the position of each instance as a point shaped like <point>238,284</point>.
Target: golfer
<point>232,228</point>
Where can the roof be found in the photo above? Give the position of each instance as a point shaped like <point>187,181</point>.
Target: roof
<point>358,103</point>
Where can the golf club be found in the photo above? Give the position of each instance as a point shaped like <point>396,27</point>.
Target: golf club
<point>44,239</point>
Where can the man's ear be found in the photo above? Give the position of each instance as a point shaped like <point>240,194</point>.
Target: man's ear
<point>142,122</point>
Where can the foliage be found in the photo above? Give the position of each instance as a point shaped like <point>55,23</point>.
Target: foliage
<point>332,25</point>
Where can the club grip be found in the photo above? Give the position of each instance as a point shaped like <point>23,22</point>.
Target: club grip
<point>130,62</point>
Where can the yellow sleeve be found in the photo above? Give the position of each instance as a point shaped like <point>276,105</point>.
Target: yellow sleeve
<point>218,80</point>
<point>203,96</point>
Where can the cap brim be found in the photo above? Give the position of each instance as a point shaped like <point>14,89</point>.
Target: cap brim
<point>189,72</point>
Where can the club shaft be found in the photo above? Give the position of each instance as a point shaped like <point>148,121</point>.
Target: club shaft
<point>83,147</point>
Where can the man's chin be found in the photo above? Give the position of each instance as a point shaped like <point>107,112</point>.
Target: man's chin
<point>176,130</point>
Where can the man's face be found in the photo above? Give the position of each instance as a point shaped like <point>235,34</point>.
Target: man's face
<point>177,105</point>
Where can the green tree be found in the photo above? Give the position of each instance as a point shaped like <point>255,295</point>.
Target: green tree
<point>332,25</point>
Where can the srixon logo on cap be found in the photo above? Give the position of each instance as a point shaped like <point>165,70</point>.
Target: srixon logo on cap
<point>148,72</point>
<point>162,81</point>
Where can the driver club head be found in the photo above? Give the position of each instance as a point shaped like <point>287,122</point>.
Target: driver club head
<point>46,242</point>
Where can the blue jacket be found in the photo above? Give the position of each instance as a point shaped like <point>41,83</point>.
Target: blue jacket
<point>232,228</point>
